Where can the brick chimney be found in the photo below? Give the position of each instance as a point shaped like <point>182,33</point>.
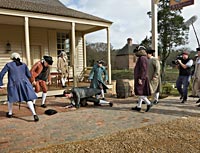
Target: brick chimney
<point>129,41</point>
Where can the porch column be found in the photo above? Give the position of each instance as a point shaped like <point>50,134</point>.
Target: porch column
<point>74,55</point>
<point>154,26</point>
<point>27,42</point>
<point>84,53</point>
<point>109,61</point>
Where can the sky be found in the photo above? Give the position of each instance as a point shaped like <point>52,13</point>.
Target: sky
<point>129,19</point>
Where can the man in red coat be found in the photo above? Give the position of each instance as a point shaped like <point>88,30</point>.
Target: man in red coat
<point>141,86</point>
<point>40,75</point>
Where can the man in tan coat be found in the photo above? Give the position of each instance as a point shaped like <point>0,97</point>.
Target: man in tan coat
<point>62,67</point>
<point>196,77</point>
<point>154,75</point>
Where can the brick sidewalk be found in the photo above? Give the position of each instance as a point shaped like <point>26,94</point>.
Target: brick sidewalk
<point>20,133</point>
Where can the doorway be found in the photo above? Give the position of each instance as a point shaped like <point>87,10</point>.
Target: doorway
<point>36,54</point>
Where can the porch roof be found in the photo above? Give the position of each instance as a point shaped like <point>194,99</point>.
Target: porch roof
<point>53,7</point>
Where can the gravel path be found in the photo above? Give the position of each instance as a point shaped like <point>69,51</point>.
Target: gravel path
<point>177,136</point>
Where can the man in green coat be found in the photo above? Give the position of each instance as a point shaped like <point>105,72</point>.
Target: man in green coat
<point>98,76</point>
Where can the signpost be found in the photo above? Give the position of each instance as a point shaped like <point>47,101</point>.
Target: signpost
<point>179,4</point>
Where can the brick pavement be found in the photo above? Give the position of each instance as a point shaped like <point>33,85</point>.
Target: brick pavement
<point>20,133</point>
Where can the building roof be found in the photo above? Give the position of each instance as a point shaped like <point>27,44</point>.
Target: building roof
<point>53,7</point>
<point>126,50</point>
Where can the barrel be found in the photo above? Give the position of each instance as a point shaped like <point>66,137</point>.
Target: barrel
<point>122,88</point>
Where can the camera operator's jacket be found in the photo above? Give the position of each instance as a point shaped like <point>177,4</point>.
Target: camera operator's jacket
<point>187,71</point>
<point>84,93</point>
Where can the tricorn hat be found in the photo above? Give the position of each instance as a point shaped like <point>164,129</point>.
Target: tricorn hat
<point>48,59</point>
<point>50,112</point>
<point>198,49</point>
<point>100,61</point>
<point>150,51</point>
<point>138,48</point>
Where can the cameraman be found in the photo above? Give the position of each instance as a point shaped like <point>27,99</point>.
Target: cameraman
<point>184,64</point>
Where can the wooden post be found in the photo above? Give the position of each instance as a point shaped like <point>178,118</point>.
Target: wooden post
<point>27,42</point>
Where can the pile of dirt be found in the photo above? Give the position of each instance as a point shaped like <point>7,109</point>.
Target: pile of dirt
<point>178,136</point>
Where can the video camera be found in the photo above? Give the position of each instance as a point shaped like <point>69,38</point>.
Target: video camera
<point>179,57</point>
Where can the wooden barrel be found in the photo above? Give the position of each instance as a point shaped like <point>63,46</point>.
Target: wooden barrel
<point>122,88</point>
<point>131,88</point>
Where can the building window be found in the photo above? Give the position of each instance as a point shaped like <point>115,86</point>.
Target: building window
<point>63,44</point>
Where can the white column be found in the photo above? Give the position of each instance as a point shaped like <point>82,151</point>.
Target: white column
<point>84,52</point>
<point>27,42</point>
<point>154,26</point>
<point>74,55</point>
<point>109,60</point>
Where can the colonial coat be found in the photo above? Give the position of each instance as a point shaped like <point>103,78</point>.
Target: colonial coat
<point>154,74</point>
<point>37,69</point>
<point>98,75</point>
<point>19,87</point>
<point>141,72</point>
<point>62,66</point>
<point>84,93</point>
<point>196,79</point>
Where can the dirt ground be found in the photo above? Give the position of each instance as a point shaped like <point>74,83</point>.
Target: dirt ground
<point>177,136</point>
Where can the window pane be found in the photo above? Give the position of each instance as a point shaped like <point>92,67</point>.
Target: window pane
<point>63,44</point>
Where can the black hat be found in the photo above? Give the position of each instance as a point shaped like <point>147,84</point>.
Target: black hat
<point>141,48</point>
<point>100,62</point>
<point>138,48</point>
<point>48,59</point>
<point>50,112</point>
<point>150,51</point>
<point>198,49</point>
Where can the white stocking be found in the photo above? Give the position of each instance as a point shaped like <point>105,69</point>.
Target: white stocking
<point>102,93</point>
<point>156,96</point>
<point>31,107</point>
<point>35,99</point>
<point>139,102</point>
<point>146,100</point>
<point>10,108</point>
<point>63,81</point>
<point>44,95</point>
<point>103,102</point>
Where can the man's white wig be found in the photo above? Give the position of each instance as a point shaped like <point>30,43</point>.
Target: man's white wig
<point>15,55</point>
<point>62,53</point>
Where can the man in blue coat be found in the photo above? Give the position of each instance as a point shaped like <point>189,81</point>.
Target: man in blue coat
<point>19,87</point>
